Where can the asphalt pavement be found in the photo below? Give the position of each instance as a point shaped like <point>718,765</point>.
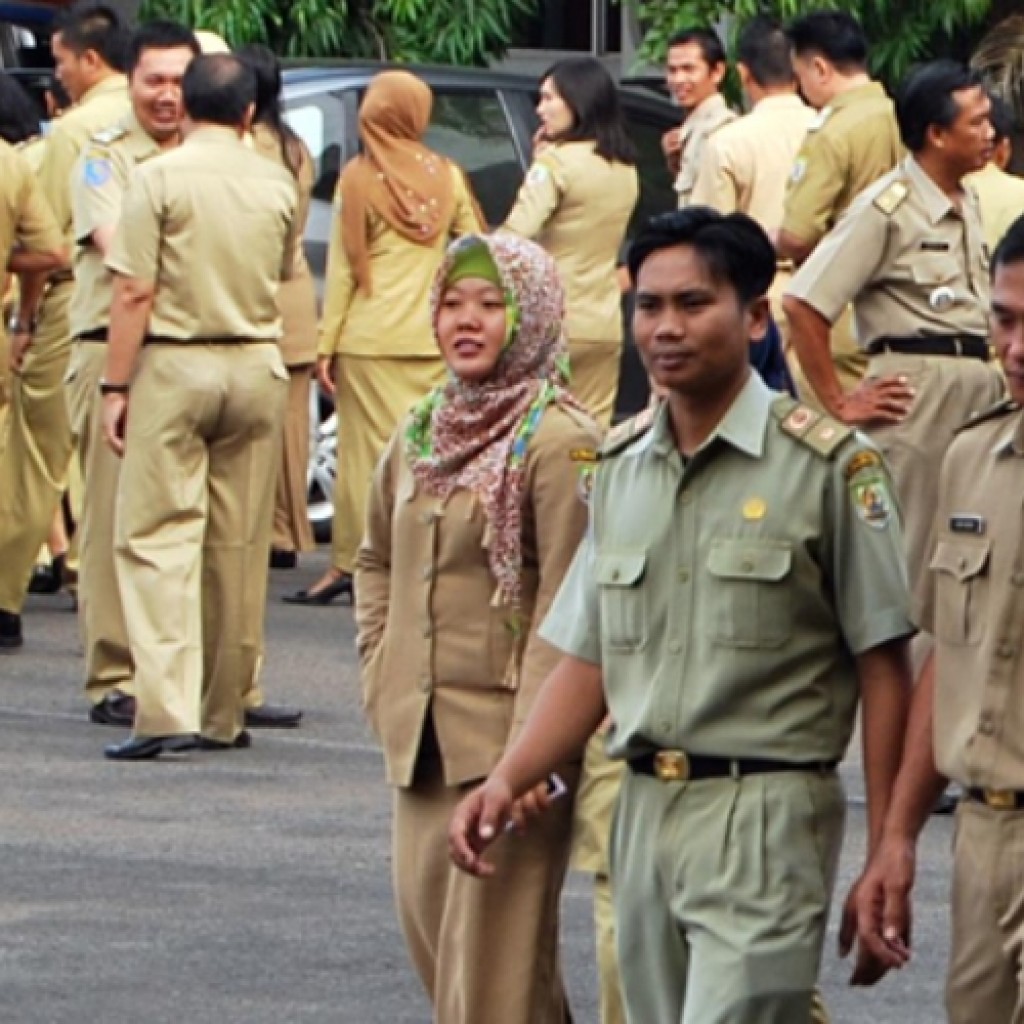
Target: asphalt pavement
<point>252,886</point>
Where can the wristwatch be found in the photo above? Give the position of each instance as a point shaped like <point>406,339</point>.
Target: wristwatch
<point>108,388</point>
<point>18,326</point>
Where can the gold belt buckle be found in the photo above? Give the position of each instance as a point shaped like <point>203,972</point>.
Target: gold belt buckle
<point>1001,799</point>
<point>672,765</point>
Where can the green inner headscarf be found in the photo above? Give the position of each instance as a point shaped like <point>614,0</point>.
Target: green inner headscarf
<point>472,258</point>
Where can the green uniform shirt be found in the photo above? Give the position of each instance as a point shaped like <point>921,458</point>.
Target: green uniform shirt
<point>725,598</point>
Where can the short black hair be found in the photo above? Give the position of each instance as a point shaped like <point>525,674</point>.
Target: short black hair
<point>94,27</point>
<point>711,48</point>
<point>764,50</point>
<point>834,35</point>
<point>589,91</point>
<point>1010,248</point>
<point>19,115</point>
<point>925,98</point>
<point>218,88</point>
<point>733,247</point>
<point>159,35</point>
<point>1001,118</point>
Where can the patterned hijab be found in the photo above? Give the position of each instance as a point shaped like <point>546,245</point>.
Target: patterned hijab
<point>409,185</point>
<point>475,435</point>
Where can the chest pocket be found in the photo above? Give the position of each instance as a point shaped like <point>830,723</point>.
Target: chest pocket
<point>750,601</point>
<point>930,269</point>
<point>624,623</point>
<point>961,589</point>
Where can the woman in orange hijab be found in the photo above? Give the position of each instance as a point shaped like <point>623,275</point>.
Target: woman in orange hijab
<point>397,206</point>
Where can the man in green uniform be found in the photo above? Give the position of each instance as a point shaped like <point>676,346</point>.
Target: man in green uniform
<point>204,239</point>
<point>852,143</point>
<point>30,244</point>
<point>967,720</point>
<point>740,585</point>
<point>88,48</point>
<point>158,55</point>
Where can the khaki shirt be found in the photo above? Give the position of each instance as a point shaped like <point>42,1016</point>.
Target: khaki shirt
<point>1000,199</point>
<point>210,223</point>
<point>726,598</point>
<point>908,260</point>
<point>297,295</point>
<point>104,105</point>
<point>429,637</point>
<point>577,205</point>
<point>98,185</point>
<point>851,143</point>
<point>972,603</point>
<point>393,322</point>
<point>705,118</point>
<point>747,164</point>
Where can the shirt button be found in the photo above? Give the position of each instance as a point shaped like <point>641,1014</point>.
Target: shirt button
<point>425,685</point>
<point>428,631</point>
<point>684,575</point>
<point>1017,579</point>
<point>747,566</point>
<point>615,574</point>
<point>428,572</point>
<point>675,646</point>
<point>685,498</point>
<point>665,728</point>
<point>427,518</point>
<point>985,725</point>
<point>1006,650</point>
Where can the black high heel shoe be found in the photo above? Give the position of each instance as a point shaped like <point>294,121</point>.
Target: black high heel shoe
<point>325,594</point>
<point>47,579</point>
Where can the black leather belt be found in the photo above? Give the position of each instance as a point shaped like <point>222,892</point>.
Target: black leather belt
<point>939,345</point>
<point>678,766</point>
<point>161,339</point>
<point>99,334</point>
<point>1000,799</point>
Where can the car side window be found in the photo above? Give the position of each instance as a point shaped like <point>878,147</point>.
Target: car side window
<point>656,192</point>
<point>473,130</point>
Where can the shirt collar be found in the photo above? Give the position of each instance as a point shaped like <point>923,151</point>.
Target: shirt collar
<point>780,101</point>
<point>141,143</point>
<point>1011,439</point>
<point>214,133</point>
<point>861,92</point>
<point>709,107</point>
<point>112,83</point>
<point>936,203</point>
<point>743,426</point>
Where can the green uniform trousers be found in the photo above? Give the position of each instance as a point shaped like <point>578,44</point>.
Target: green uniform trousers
<point>34,460</point>
<point>193,523</point>
<point>722,890</point>
<point>108,661</point>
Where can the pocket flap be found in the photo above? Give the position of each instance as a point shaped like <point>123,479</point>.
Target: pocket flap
<point>934,269</point>
<point>959,559</point>
<point>750,560</point>
<point>621,570</point>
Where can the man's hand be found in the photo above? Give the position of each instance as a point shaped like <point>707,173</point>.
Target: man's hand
<point>672,146</point>
<point>21,342</point>
<point>478,820</point>
<point>115,412</point>
<point>878,912</point>
<point>875,401</point>
<point>325,373</point>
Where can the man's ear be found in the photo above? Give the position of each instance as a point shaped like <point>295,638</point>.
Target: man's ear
<point>718,72</point>
<point>248,117</point>
<point>759,314</point>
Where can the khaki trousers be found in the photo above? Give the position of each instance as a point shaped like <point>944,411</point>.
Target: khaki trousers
<point>595,376</point>
<point>722,891</point>
<point>34,461</point>
<point>373,397</point>
<point>108,660</point>
<point>292,531</point>
<point>485,950</point>
<point>986,965</point>
<point>948,391</point>
<point>193,530</point>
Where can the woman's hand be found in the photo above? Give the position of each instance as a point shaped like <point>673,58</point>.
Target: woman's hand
<point>479,819</point>
<point>326,373</point>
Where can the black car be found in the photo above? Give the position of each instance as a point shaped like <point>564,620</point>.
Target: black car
<point>485,121</point>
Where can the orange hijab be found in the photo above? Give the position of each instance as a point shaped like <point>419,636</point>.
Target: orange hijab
<point>409,185</point>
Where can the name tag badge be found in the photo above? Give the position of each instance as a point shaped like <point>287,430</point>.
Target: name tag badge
<point>932,246</point>
<point>967,524</point>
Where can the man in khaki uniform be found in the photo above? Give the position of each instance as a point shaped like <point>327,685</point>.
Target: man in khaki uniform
<point>158,55</point>
<point>30,244</point>
<point>967,718</point>
<point>853,142</point>
<point>203,242</point>
<point>740,585</point>
<point>89,51</point>
<point>694,70</point>
<point>910,257</point>
<point>1000,194</point>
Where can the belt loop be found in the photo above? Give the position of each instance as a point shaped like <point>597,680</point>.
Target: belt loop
<point>734,770</point>
<point>958,347</point>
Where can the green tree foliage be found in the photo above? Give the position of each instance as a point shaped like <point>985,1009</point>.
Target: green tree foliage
<point>439,31</point>
<point>902,32</point>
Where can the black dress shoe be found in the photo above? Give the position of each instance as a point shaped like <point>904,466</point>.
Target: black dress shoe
<point>114,709</point>
<point>325,594</point>
<point>145,748</point>
<point>241,742</point>
<point>10,630</point>
<point>47,579</point>
<point>281,559</point>
<point>272,716</point>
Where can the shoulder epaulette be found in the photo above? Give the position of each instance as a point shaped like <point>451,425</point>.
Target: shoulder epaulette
<point>109,135</point>
<point>1007,405</point>
<point>818,121</point>
<point>623,434</point>
<point>889,200</point>
<point>822,434</point>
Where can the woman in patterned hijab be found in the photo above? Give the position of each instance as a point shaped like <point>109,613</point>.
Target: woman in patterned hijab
<point>474,517</point>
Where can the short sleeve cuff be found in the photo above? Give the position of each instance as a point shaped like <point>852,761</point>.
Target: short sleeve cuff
<point>570,637</point>
<point>882,627</point>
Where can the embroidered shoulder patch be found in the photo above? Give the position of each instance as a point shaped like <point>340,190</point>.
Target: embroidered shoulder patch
<point>97,172</point>
<point>869,489</point>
